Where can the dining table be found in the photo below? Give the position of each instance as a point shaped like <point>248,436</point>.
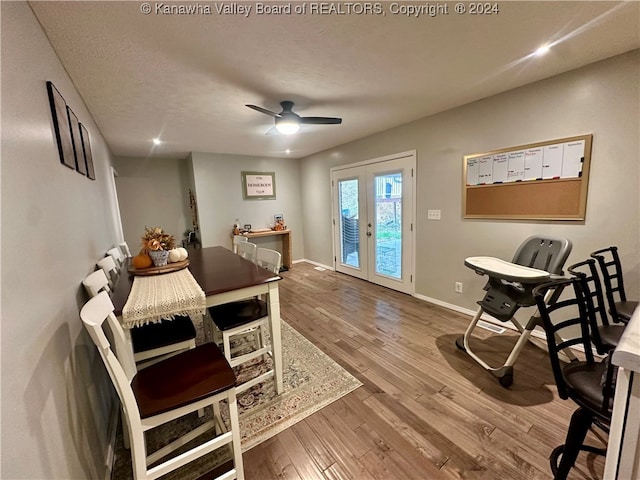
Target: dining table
<point>224,277</point>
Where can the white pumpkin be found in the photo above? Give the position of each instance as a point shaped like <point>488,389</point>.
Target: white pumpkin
<point>174,255</point>
<point>183,253</point>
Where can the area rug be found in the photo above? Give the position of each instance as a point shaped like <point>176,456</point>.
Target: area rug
<point>311,380</point>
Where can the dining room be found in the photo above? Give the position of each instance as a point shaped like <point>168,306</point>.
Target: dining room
<point>420,396</point>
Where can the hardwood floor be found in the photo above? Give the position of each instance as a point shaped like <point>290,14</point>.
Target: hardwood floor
<point>426,410</point>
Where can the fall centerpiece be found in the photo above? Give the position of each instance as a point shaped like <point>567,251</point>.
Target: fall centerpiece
<point>157,243</point>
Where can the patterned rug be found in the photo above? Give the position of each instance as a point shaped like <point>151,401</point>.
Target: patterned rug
<point>311,379</point>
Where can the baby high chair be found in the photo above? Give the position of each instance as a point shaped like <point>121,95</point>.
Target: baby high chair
<point>538,260</point>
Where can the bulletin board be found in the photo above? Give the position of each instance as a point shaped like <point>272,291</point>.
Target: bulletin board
<point>539,181</point>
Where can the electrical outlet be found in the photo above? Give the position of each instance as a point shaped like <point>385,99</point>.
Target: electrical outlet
<point>458,287</point>
<point>433,214</point>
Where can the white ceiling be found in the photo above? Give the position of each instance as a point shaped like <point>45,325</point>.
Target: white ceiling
<point>186,78</point>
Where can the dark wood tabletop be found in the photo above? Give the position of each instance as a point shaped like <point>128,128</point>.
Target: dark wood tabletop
<point>216,269</point>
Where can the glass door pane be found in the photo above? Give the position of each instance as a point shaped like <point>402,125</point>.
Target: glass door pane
<point>388,224</point>
<point>349,217</point>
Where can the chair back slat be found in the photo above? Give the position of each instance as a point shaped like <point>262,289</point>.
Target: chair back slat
<point>611,270</point>
<point>94,314</point>
<point>237,240</point>
<point>124,248</point>
<point>95,282</point>
<point>110,269</point>
<point>269,259</point>
<point>247,250</point>
<point>118,257</point>
<point>566,323</point>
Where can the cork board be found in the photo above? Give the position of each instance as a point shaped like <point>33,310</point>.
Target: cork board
<point>539,181</point>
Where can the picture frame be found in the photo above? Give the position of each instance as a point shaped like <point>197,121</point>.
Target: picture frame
<point>258,185</point>
<point>86,149</point>
<point>81,166</point>
<point>61,126</point>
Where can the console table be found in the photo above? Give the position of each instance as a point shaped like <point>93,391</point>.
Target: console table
<point>286,243</point>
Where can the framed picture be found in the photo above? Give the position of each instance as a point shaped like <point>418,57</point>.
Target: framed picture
<point>258,185</point>
<point>86,149</point>
<point>76,139</point>
<point>61,126</point>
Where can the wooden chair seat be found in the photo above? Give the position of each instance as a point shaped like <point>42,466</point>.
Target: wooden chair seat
<point>181,379</point>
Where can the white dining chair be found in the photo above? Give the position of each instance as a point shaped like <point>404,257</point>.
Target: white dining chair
<point>269,259</point>
<point>108,264</point>
<point>117,255</point>
<point>177,386</point>
<point>237,240</point>
<point>154,341</point>
<point>247,250</point>
<point>247,318</point>
<point>124,248</point>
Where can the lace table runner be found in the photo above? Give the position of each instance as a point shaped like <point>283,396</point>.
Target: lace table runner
<point>159,297</point>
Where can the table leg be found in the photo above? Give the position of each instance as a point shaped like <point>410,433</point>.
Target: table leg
<point>276,336</point>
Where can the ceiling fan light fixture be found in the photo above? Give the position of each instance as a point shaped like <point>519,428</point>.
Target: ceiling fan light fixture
<point>287,126</point>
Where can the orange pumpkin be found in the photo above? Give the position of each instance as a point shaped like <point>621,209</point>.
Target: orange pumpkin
<point>142,260</point>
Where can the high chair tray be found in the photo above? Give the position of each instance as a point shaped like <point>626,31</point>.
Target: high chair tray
<point>512,272</point>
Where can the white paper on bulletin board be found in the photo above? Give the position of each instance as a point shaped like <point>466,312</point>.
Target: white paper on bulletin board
<point>550,161</point>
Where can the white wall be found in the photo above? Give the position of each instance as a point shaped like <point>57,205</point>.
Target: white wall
<point>55,224</point>
<point>602,99</point>
<point>218,189</point>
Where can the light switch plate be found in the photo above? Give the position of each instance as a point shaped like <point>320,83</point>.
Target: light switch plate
<point>433,215</point>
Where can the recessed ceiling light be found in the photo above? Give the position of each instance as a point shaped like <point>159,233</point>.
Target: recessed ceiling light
<point>544,49</point>
<point>156,141</point>
<point>287,151</point>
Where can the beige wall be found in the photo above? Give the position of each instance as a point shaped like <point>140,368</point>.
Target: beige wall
<point>152,192</point>
<point>602,99</point>
<point>218,189</point>
<point>55,224</point>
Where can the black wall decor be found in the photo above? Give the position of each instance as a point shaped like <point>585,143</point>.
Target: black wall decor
<point>72,137</point>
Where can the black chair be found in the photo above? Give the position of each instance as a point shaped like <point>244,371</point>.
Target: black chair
<point>350,237</point>
<point>588,383</point>
<point>620,308</point>
<point>605,336</point>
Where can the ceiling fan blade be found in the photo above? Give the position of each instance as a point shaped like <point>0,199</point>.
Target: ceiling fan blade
<point>321,120</point>
<point>264,110</point>
<point>272,131</point>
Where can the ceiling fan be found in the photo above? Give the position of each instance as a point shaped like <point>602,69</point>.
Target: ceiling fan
<point>288,122</point>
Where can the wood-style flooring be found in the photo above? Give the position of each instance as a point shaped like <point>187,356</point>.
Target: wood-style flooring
<point>426,410</point>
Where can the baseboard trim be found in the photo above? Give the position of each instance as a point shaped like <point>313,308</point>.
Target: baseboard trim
<point>486,317</point>
<point>317,264</point>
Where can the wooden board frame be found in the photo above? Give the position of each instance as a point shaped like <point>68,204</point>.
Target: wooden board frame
<point>550,199</point>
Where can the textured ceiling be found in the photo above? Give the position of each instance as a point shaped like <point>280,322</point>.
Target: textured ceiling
<point>186,78</point>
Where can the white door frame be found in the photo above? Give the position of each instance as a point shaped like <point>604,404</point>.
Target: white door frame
<point>410,231</point>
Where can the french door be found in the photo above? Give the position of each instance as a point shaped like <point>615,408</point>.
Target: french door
<point>373,208</point>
